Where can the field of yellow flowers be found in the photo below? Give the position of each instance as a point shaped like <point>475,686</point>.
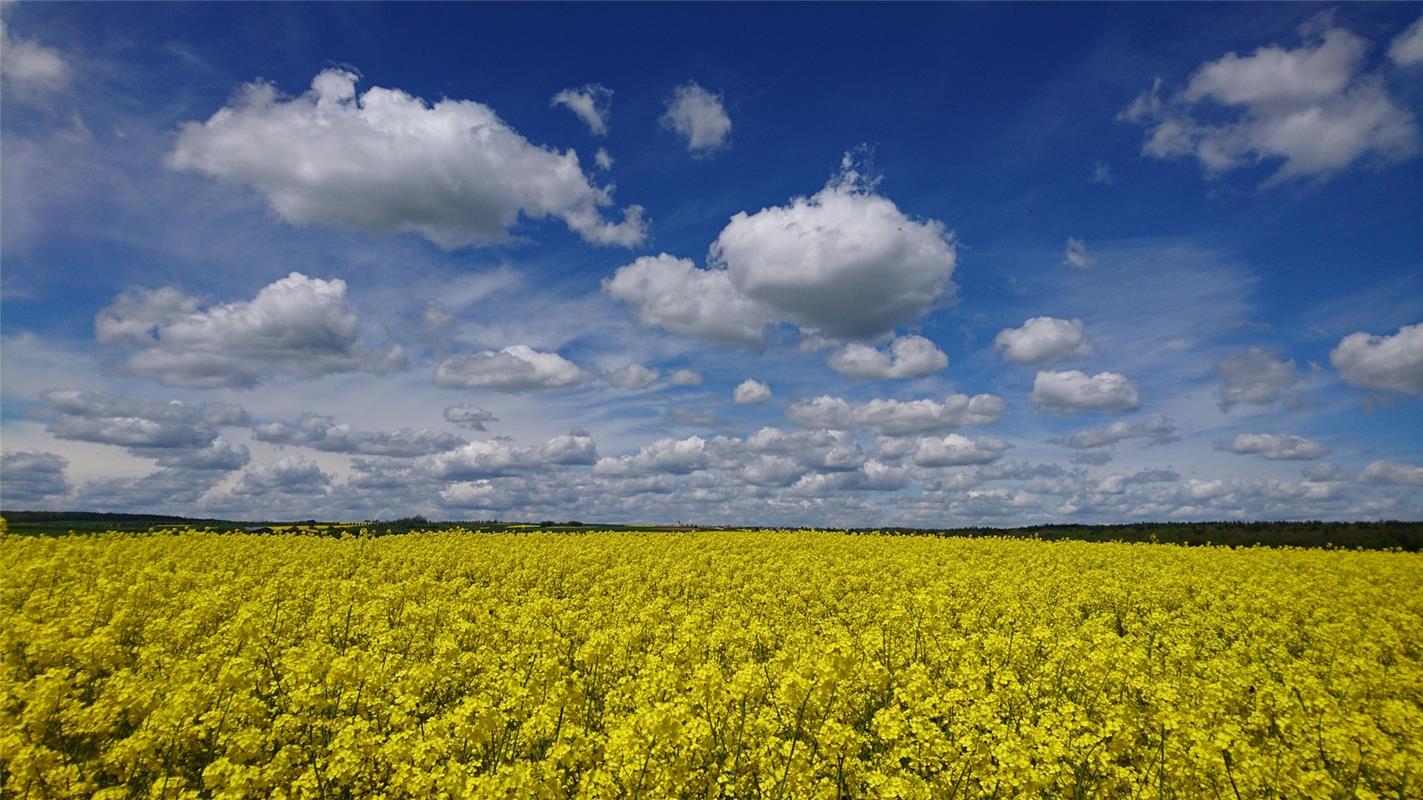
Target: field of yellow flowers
<point>735,665</point>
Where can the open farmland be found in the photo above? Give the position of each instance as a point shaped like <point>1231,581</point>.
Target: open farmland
<point>730,664</point>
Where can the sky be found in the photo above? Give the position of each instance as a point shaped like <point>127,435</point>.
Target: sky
<point>842,265</point>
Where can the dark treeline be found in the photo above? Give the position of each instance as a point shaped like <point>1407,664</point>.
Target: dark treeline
<point>1390,535</point>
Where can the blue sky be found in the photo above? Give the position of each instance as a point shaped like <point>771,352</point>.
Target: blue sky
<point>834,265</point>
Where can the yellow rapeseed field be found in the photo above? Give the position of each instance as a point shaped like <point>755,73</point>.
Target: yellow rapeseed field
<point>735,665</point>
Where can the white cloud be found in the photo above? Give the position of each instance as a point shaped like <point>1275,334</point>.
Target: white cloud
<point>835,451</point>
<point>497,458</point>
<point>685,377</point>
<point>321,432</point>
<point>481,459</point>
<point>1254,377</point>
<point>474,494</point>
<point>133,316</point>
<point>750,392</point>
<point>1076,254</point>
<point>516,368</point>
<point>1310,108</point>
<point>699,116</point>
<point>825,412</point>
<point>472,417</point>
<point>1385,363</point>
<point>898,417</point>
<point>956,450</point>
<point>219,455</point>
<point>908,357</point>
<point>142,427</point>
<point>1407,47</point>
<point>437,315</point>
<point>1275,447</point>
<point>1392,472</point>
<point>632,376</point>
<point>1074,390</point>
<point>602,160</point>
<point>771,471</point>
<point>1118,484</point>
<point>178,487</point>
<point>29,66</point>
<point>570,449</point>
<point>1156,428</point>
<point>1102,173</point>
<point>289,475</point>
<point>297,326</point>
<point>592,103</point>
<point>672,293</point>
<point>663,456</point>
<point>28,476</point>
<point>845,262</point>
<point>386,162</point>
<point>1043,340</point>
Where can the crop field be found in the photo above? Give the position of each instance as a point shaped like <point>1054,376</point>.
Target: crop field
<point>736,664</point>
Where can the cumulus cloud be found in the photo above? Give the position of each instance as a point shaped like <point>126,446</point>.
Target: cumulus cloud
<point>845,262</point>
<point>490,459</point>
<point>133,316</point>
<point>321,432</point>
<point>770,457</point>
<point>482,459</point>
<point>28,476</point>
<point>1074,390</point>
<point>384,162</point>
<point>1392,473</point>
<point>956,450</point>
<point>898,417</point>
<point>297,326</point>
<point>178,487</point>
<point>1311,108</point>
<point>1384,363</point>
<point>474,494</point>
<point>602,159</point>
<point>672,293</point>
<point>289,475</point>
<point>27,66</point>
<point>140,426</point>
<point>472,417</point>
<point>1275,447</point>
<point>824,411</point>
<point>1157,429</point>
<point>592,103</point>
<point>1043,340</point>
<point>1254,377</point>
<point>771,471</point>
<point>1407,47</point>
<point>516,368</point>
<point>908,357</point>
<point>1076,254</point>
<point>663,456</point>
<point>833,451</point>
<point>750,392</point>
<point>570,449</point>
<point>632,376</point>
<point>699,117</point>
<point>685,377</point>
<point>219,455</point>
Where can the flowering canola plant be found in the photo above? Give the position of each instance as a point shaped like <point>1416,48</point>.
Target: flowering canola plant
<point>735,664</point>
